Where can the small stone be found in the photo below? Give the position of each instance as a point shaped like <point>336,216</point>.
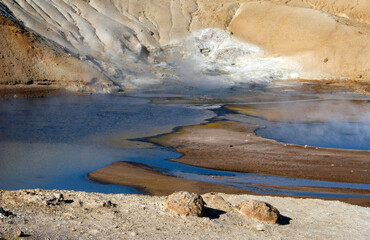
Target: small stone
<point>185,203</point>
<point>59,197</point>
<point>133,234</point>
<point>259,210</point>
<point>4,214</point>
<point>109,204</point>
<point>260,227</point>
<point>19,233</point>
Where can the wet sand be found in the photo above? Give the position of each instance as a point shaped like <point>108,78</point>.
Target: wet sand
<point>147,180</point>
<point>30,91</point>
<point>232,146</point>
<point>144,179</point>
<point>325,86</point>
<point>307,110</point>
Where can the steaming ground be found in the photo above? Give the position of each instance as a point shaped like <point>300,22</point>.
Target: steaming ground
<point>197,44</point>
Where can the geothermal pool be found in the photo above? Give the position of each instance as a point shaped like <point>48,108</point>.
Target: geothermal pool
<point>344,135</point>
<point>53,143</point>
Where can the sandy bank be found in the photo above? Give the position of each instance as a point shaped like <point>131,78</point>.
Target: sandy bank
<point>309,110</point>
<point>147,180</point>
<point>30,91</point>
<point>82,216</point>
<point>233,146</point>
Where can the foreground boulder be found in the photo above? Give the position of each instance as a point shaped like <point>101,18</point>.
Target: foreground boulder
<point>259,210</point>
<point>185,203</point>
<point>217,202</point>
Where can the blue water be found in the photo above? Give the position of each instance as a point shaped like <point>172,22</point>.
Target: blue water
<point>345,135</point>
<point>52,143</point>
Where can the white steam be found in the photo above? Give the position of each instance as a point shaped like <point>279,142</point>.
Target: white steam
<point>211,58</point>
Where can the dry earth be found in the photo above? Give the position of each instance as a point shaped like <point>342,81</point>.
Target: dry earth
<point>26,58</point>
<point>44,215</point>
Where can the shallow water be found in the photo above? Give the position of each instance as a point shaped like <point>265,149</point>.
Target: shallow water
<point>53,143</point>
<point>345,135</point>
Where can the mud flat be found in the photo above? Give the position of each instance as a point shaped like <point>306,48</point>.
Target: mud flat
<point>78,215</point>
<point>233,146</point>
<point>147,180</point>
<point>307,110</point>
<point>30,91</point>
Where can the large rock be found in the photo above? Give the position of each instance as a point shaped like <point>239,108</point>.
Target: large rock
<point>185,203</point>
<point>215,201</point>
<point>259,210</point>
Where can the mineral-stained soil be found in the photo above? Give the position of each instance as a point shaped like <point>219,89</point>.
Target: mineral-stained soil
<point>147,180</point>
<point>30,91</point>
<point>125,41</point>
<point>44,214</point>
<point>27,59</point>
<point>308,110</point>
<point>233,146</point>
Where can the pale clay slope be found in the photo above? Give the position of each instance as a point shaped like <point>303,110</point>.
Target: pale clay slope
<point>145,217</point>
<point>28,59</point>
<point>125,39</point>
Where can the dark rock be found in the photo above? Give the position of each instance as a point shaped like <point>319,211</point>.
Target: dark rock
<point>109,204</point>
<point>4,213</point>
<point>19,234</point>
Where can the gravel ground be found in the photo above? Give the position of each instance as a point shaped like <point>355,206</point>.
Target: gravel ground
<point>42,214</point>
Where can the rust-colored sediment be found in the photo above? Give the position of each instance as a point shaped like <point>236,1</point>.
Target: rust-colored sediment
<point>233,146</point>
<point>334,85</point>
<point>144,179</point>
<point>30,91</point>
<point>307,110</point>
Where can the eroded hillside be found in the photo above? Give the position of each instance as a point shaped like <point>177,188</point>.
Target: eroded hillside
<point>197,42</point>
<point>27,58</point>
